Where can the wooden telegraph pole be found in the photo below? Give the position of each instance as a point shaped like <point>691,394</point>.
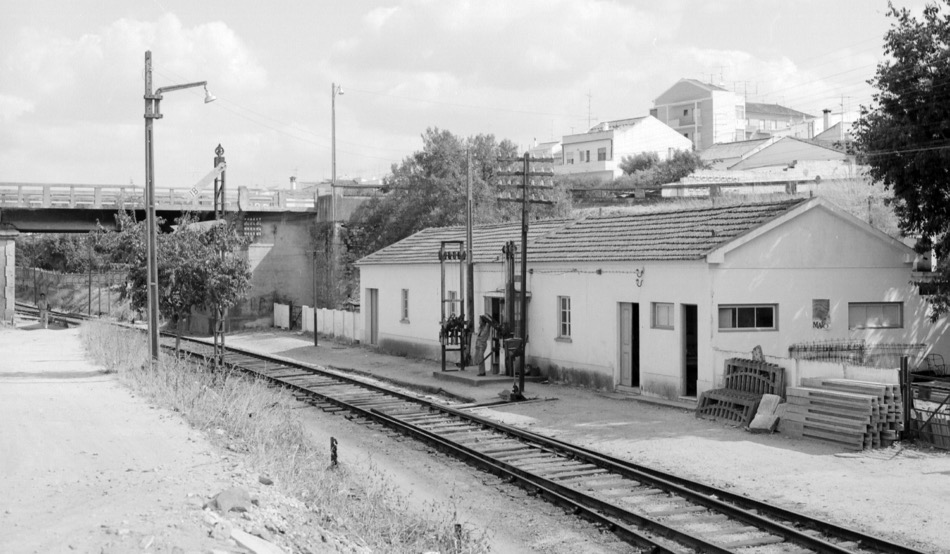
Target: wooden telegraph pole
<point>531,181</point>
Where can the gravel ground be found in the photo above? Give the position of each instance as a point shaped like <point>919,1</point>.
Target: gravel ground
<point>900,493</point>
<point>88,467</point>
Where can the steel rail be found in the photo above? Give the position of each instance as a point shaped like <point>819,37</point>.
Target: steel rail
<point>737,507</point>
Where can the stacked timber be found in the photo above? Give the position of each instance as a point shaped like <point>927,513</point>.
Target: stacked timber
<point>854,414</point>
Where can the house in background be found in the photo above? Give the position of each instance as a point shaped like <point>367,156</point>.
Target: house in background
<point>763,166</point>
<point>777,121</point>
<point>702,112</point>
<point>550,149</point>
<point>598,152</point>
<point>655,301</point>
<point>708,114</point>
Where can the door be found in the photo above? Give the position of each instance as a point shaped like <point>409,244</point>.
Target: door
<point>629,344</point>
<point>495,307</point>
<point>690,350</point>
<point>372,315</point>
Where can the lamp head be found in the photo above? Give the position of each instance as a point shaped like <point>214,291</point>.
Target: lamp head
<point>339,90</point>
<point>208,96</point>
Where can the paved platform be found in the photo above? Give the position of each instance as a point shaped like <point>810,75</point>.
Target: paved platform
<point>419,374</point>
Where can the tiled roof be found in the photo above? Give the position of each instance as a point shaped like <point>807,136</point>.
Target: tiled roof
<point>423,247</point>
<point>684,234</point>
<point>774,109</point>
<point>675,234</point>
<point>709,86</point>
<point>728,150</point>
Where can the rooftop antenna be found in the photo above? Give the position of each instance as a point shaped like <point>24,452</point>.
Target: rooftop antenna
<point>588,108</point>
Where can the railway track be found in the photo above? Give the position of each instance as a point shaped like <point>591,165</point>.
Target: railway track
<point>64,318</point>
<point>652,510</point>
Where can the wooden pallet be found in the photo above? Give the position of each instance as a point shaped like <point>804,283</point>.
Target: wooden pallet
<point>746,381</point>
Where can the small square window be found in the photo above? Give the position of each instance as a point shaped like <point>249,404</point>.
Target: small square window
<point>662,315</point>
<point>602,154</point>
<point>685,112</point>
<point>405,306</point>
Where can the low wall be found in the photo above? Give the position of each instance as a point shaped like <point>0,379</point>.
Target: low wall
<point>332,323</point>
<point>796,370</point>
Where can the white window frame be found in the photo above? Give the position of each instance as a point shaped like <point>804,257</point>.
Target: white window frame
<point>661,321</point>
<point>855,310</point>
<point>404,301</point>
<point>452,299</point>
<point>564,317</point>
<point>734,310</point>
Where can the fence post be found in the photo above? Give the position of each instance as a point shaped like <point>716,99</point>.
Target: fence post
<point>907,399</point>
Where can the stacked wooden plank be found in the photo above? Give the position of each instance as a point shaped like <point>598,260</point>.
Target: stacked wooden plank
<point>855,414</point>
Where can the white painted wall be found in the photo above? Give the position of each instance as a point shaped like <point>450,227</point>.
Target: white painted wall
<point>420,333</point>
<point>595,305</point>
<point>815,255</point>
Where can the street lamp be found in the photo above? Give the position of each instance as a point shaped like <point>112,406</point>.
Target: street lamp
<point>335,90</point>
<point>152,111</point>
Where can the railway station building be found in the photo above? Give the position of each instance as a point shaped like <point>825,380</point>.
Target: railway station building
<point>655,301</point>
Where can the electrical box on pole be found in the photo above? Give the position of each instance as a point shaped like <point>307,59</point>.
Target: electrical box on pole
<point>454,332</point>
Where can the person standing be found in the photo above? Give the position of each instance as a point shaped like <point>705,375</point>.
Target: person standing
<point>481,341</point>
<point>43,306</point>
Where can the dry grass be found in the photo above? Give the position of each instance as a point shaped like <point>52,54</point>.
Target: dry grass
<point>260,421</point>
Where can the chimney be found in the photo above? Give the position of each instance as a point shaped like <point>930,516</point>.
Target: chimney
<point>825,113</point>
<point>293,183</point>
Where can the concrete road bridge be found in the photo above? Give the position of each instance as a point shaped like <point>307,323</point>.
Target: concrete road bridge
<point>64,208</point>
<point>280,224</point>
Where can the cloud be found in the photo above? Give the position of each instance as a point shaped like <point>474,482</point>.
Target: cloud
<point>525,45</point>
<point>12,107</point>
<point>99,76</point>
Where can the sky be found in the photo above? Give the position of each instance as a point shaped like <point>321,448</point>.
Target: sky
<point>72,76</point>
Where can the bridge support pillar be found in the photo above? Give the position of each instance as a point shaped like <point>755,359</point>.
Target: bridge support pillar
<point>7,273</point>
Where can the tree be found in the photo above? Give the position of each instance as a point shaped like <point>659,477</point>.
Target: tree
<point>904,137</point>
<point>427,189</point>
<point>639,162</point>
<point>199,267</point>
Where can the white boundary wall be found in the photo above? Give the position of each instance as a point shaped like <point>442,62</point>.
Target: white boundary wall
<point>333,323</point>
<point>796,370</point>
<point>282,316</point>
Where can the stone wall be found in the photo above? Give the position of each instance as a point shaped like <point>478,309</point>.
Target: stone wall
<point>7,274</point>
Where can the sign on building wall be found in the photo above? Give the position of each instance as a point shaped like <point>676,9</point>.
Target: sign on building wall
<point>821,313</point>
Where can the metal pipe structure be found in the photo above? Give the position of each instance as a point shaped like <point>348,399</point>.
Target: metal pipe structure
<point>153,111</point>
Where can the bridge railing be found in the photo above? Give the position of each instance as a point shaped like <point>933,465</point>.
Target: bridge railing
<point>113,197</point>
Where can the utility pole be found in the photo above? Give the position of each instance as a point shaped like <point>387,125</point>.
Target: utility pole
<point>469,261</point>
<point>517,346</point>
<point>220,315</point>
<point>588,108</point>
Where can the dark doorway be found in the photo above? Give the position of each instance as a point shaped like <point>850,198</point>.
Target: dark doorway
<point>495,307</point>
<point>372,315</point>
<point>690,350</point>
<point>629,344</point>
